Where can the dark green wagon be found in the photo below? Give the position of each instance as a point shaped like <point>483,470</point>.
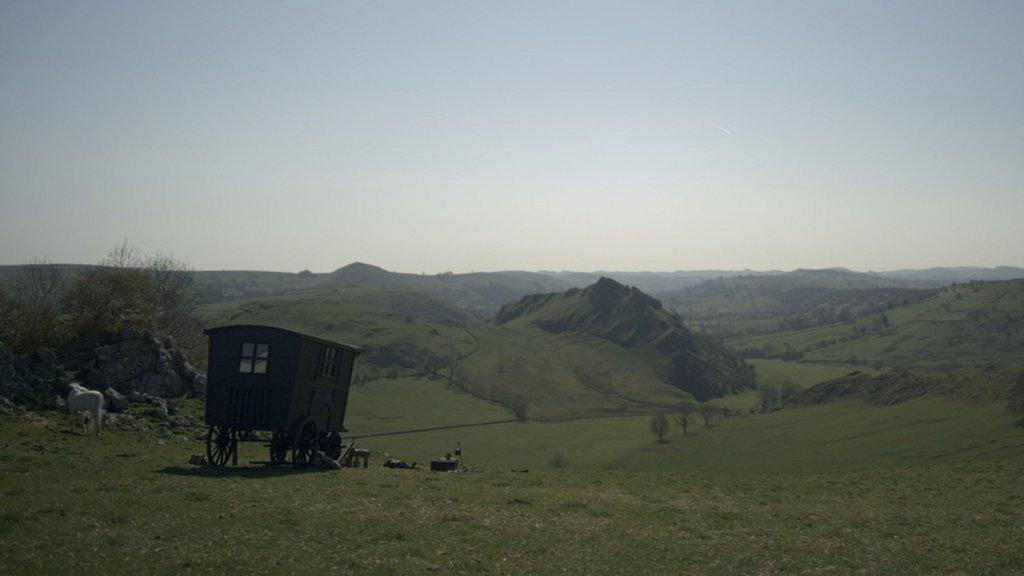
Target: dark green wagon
<point>268,379</point>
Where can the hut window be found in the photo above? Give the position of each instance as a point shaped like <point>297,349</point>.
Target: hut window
<point>329,364</point>
<point>254,358</point>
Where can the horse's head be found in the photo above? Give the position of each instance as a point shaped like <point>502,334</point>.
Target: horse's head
<point>76,387</point>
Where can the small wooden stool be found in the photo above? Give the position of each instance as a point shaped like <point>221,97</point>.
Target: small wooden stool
<point>354,455</point>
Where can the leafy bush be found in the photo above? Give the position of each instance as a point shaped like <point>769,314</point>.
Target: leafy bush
<point>107,300</point>
<point>659,426</point>
<point>155,293</point>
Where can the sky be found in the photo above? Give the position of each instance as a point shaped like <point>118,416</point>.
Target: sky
<point>470,136</point>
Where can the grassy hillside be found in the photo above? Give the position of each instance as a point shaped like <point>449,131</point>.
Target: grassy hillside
<point>405,330</point>
<point>385,406</point>
<point>744,305</point>
<point>963,325</point>
<point>409,332</point>
<point>635,321</point>
<point>915,489</point>
<point>834,437</point>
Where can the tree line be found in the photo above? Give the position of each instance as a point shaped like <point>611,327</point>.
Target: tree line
<point>45,307</point>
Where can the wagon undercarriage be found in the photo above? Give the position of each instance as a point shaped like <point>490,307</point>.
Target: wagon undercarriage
<point>301,444</point>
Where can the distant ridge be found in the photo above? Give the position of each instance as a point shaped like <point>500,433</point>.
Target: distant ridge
<point>632,319</point>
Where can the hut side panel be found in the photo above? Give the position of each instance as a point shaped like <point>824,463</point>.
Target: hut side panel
<point>250,377</point>
<point>321,385</point>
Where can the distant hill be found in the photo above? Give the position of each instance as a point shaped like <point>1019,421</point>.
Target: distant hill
<point>946,276</point>
<point>653,283</point>
<point>634,320</point>
<point>973,324</point>
<point>983,383</point>
<point>482,293</point>
<point>744,305</point>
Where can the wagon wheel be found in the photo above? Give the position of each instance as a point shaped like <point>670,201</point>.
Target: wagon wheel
<point>279,444</point>
<point>305,444</point>
<point>331,446</point>
<point>220,445</point>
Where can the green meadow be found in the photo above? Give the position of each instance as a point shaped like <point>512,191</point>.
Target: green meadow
<point>926,487</point>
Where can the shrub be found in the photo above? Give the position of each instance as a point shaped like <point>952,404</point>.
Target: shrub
<point>558,461</point>
<point>520,408</point>
<point>28,315</point>
<point>659,426</point>
<point>107,300</point>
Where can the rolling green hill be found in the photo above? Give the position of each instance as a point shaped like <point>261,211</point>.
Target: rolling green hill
<point>979,323</point>
<point>635,321</point>
<point>403,330</point>
<point>409,332</point>
<point>634,359</point>
<point>744,305</point>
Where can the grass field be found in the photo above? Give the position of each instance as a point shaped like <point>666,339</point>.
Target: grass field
<point>844,436</point>
<point>383,406</point>
<point>126,504</point>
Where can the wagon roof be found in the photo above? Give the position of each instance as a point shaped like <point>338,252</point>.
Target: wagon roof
<point>299,334</point>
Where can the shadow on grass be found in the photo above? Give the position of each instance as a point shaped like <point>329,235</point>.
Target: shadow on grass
<point>235,472</point>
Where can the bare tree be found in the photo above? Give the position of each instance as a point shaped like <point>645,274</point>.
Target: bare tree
<point>768,396</point>
<point>706,411</point>
<point>659,427</point>
<point>39,285</point>
<point>520,407</point>
<point>683,416</point>
<point>34,305</point>
<point>123,255</point>
<point>176,300</point>
<point>787,390</point>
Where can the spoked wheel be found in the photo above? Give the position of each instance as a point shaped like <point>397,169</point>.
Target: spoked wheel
<point>221,445</point>
<point>305,444</point>
<point>331,445</point>
<point>280,442</point>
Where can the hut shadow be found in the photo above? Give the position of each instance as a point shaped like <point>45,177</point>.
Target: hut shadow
<point>254,472</point>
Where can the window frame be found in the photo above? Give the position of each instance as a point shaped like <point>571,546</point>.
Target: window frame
<point>329,359</point>
<point>254,358</point>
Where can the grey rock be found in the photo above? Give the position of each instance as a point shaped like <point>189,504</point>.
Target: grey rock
<point>199,385</point>
<point>182,422</point>
<point>140,362</point>
<point>116,402</point>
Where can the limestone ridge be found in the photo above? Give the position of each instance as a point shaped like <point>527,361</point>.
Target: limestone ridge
<point>628,317</point>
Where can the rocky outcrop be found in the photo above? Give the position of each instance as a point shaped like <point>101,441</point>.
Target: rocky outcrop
<point>33,380</point>
<point>138,361</point>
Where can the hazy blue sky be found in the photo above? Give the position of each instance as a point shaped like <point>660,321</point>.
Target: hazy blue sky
<point>430,136</point>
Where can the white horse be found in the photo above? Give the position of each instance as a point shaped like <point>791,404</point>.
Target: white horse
<point>83,401</point>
